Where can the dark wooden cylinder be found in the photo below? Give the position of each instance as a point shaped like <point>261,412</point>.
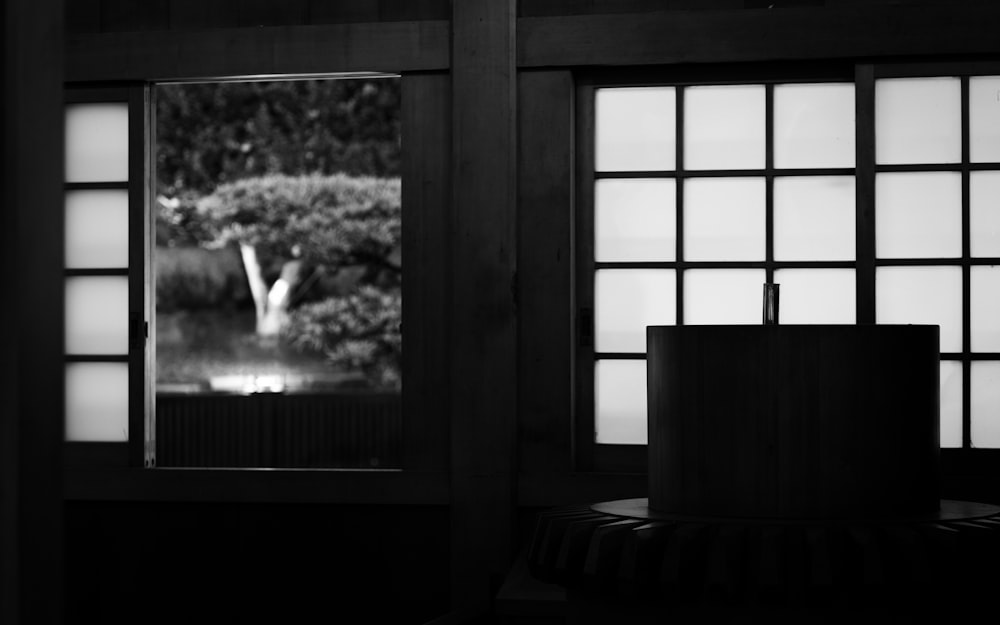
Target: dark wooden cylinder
<point>793,421</point>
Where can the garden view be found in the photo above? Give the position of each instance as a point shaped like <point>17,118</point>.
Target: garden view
<point>277,236</point>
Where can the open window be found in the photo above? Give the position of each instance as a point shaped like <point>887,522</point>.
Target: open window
<point>234,273</point>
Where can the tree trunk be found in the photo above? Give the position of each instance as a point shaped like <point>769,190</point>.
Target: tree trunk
<point>271,304</point>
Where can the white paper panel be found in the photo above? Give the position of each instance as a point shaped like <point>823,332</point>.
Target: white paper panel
<point>984,301</point>
<point>814,218</point>
<point>97,142</point>
<point>814,125</point>
<point>724,296</point>
<point>951,403</point>
<point>724,127</point>
<point>918,120</point>
<point>635,129</point>
<point>984,119</point>
<point>816,296</point>
<point>97,315</point>
<point>635,220</point>
<point>922,295</point>
<point>724,219</point>
<point>918,215</point>
<point>96,229</point>
<point>985,415</point>
<point>628,300</point>
<point>984,213</point>
<point>97,401</point>
<point>620,402</point>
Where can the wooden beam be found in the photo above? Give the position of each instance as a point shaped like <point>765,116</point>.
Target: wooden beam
<point>221,53</point>
<point>669,37</point>
<point>31,344</point>
<point>545,234</point>
<point>483,299</point>
<point>426,120</point>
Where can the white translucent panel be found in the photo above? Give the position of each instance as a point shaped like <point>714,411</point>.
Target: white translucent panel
<point>628,300</point>
<point>814,218</point>
<point>97,142</point>
<point>984,301</point>
<point>816,296</point>
<point>97,315</point>
<point>984,213</point>
<point>724,296</point>
<point>97,401</point>
<point>814,125</point>
<point>724,127</point>
<point>984,119</point>
<point>985,404</point>
<point>96,229</point>
<point>620,402</point>
<point>951,403</point>
<point>635,220</point>
<point>635,129</point>
<point>918,215</point>
<point>724,219</point>
<point>922,296</point>
<point>918,120</point>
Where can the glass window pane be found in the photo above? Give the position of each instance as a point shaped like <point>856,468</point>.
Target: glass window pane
<point>628,300</point>
<point>984,213</point>
<point>724,127</point>
<point>814,125</point>
<point>724,296</point>
<point>97,315</point>
<point>985,415</point>
<point>816,296</point>
<point>814,218</point>
<point>984,299</point>
<point>951,403</point>
<point>984,119</point>
<point>635,129</point>
<point>635,220</point>
<point>922,295</point>
<point>918,120</point>
<point>620,402</point>
<point>724,219</point>
<point>97,401</point>
<point>96,229</point>
<point>918,215</point>
<point>97,142</point>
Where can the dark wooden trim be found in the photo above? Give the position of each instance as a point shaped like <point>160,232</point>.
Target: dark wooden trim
<point>117,483</point>
<point>546,332</point>
<point>484,284</point>
<point>96,186</point>
<point>426,177</point>
<point>32,372</point>
<point>584,417</point>
<point>667,37</point>
<point>263,51</point>
<point>864,253</point>
<point>138,329</point>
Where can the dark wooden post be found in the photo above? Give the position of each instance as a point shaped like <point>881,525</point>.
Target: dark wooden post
<point>31,314</point>
<point>483,298</point>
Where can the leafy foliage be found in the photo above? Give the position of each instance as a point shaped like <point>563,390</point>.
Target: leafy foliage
<point>287,127</point>
<point>359,331</point>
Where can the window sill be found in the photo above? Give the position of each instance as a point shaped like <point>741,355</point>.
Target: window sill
<point>342,486</point>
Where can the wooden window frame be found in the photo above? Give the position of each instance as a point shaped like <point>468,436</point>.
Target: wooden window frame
<point>126,470</point>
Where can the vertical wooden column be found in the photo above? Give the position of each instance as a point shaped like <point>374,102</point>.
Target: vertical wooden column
<point>31,314</point>
<point>483,298</point>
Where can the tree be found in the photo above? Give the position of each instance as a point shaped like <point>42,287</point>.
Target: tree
<point>340,229</point>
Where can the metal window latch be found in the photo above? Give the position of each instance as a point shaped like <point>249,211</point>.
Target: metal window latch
<point>138,330</point>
